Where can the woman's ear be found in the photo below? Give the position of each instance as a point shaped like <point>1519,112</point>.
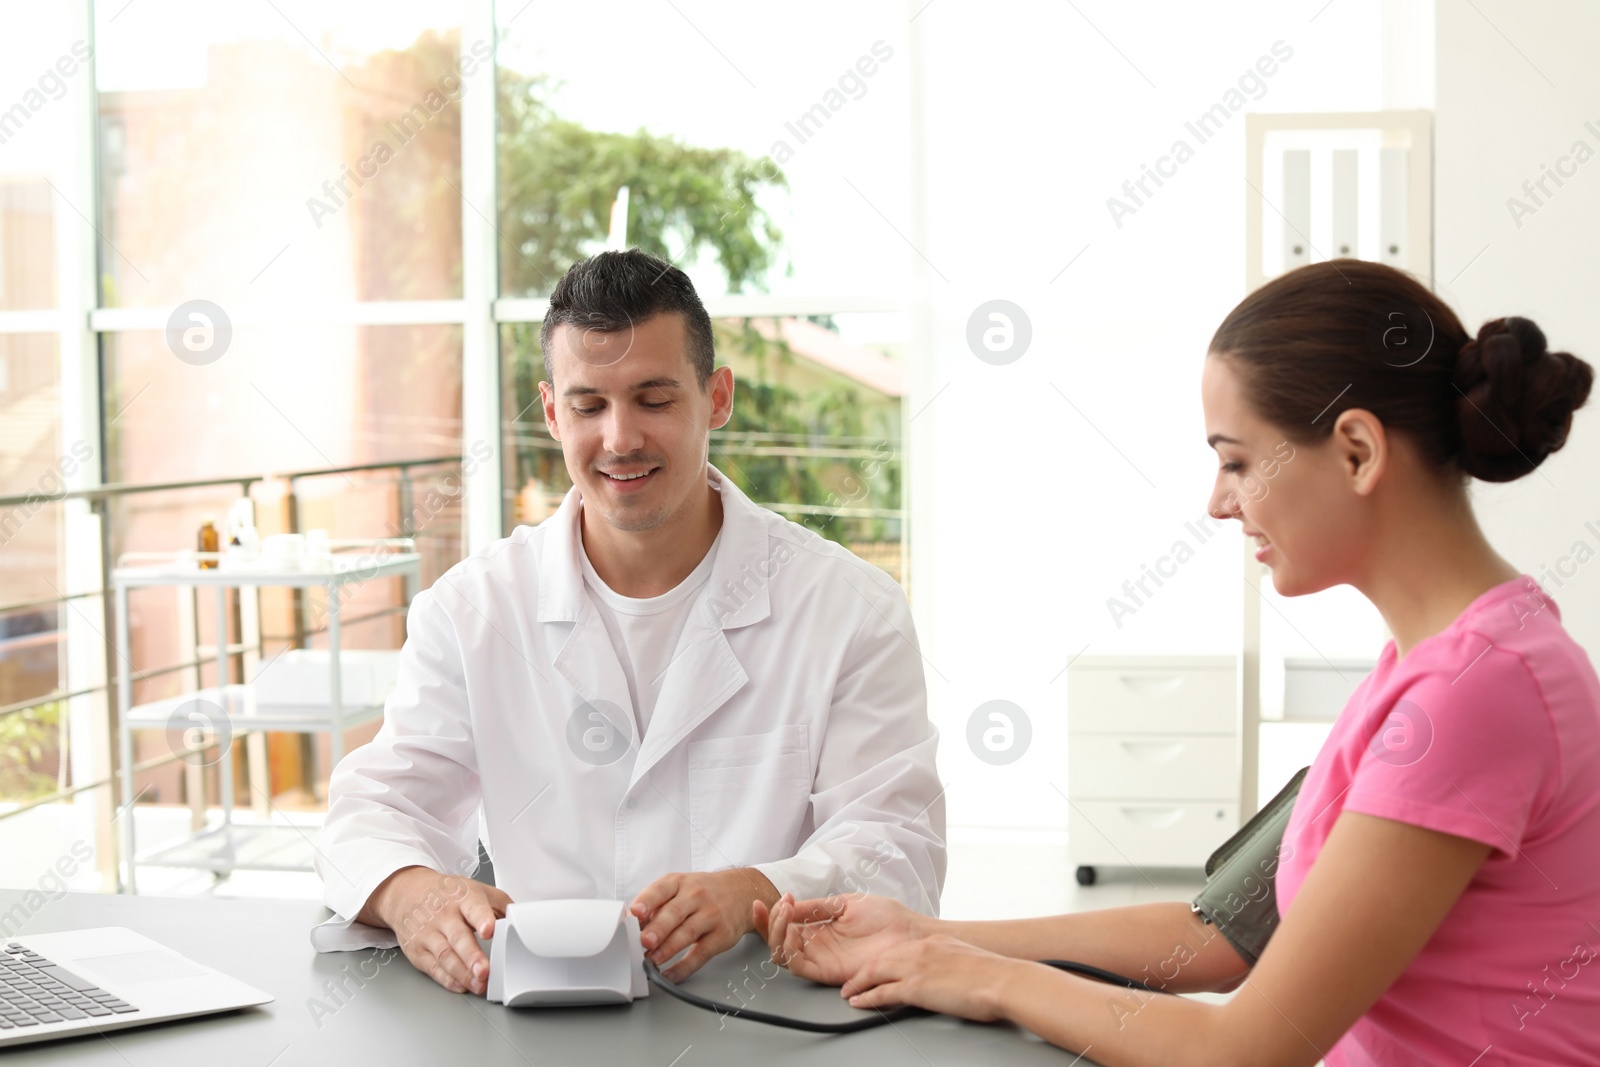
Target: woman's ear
<point>1362,446</point>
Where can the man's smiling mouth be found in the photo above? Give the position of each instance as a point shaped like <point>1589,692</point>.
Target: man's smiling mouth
<point>628,477</point>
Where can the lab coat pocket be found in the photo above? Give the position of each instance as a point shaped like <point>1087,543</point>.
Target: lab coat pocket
<point>748,797</point>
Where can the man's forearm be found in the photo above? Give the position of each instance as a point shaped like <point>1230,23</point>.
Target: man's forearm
<point>869,859</point>
<point>1163,944</point>
<point>371,912</point>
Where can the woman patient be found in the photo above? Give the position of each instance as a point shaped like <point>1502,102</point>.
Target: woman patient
<point>1439,878</point>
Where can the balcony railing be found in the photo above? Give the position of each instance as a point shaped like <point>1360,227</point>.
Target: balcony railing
<point>101,499</point>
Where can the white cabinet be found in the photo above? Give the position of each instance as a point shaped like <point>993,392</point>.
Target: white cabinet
<point>1175,833</point>
<point>1153,760</point>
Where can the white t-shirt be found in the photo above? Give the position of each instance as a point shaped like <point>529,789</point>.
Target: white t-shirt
<point>645,632</point>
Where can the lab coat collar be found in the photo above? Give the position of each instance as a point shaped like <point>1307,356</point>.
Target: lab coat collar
<point>739,575</point>
<point>705,672</point>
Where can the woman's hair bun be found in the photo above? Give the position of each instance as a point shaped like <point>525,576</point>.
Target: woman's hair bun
<point>1515,399</point>
<point>1325,338</point>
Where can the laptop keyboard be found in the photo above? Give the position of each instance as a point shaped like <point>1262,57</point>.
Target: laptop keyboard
<point>33,990</point>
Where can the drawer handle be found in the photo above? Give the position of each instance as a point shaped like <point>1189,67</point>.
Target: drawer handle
<point>1155,751</point>
<point>1154,818</point>
<point>1153,685</point>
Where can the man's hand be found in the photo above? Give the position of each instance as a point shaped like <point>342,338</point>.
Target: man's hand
<point>705,912</point>
<point>830,939</point>
<point>435,918</point>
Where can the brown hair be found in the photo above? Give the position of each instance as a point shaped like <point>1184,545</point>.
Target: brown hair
<point>615,291</point>
<point>1344,334</point>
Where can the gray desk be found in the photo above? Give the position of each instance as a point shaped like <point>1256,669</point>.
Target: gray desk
<point>401,1017</point>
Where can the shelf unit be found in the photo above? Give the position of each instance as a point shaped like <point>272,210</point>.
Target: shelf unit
<point>239,846</point>
<point>1154,756</point>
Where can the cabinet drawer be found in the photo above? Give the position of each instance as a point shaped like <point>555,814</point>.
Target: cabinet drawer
<point>1122,833</point>
<point>1151,698</point>
<point>1153,767</point>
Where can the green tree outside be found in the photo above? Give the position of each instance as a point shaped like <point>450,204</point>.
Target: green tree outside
<point>30,752</point>
<point>557,181</point>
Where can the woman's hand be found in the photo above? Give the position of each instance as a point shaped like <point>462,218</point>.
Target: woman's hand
<point>939,973</point>
<point>829,939</point>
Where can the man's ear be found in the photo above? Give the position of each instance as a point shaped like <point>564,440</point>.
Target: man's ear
<point>1362,445</point>
<point>721,386</point>
<point>547,397</point>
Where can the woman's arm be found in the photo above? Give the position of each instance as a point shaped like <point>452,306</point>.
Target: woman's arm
<point>1375,895</point>
<point>1165,945</point>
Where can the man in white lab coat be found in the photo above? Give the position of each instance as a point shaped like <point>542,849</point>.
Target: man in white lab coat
<point>664,694</point>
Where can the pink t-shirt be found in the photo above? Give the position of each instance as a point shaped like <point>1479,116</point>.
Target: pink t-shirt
<point>1489,730</point>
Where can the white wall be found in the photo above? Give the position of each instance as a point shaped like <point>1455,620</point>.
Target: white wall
<point>1517,82</point>
<point>1029,511</point>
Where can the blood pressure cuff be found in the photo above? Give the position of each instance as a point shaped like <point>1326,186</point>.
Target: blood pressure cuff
<point>1241,894</point>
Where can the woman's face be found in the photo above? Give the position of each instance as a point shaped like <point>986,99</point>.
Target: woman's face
<point>1294,500</point>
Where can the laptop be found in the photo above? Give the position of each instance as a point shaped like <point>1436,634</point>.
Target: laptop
<point>91,981</point>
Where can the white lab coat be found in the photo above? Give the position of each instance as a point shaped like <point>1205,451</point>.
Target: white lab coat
<point>790,733</point>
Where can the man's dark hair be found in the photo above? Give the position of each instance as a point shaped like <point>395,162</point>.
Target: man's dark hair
<point>614,291</point>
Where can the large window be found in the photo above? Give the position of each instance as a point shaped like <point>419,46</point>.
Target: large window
<point>279,152</point>
<point>762,146</point>
<point>38,67</point>
<point>281,398</point>
<point>32,650</point>
<point>239,245</point>
<point>761,153</point>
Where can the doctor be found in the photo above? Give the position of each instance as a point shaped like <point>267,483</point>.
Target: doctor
<point>663,694</point>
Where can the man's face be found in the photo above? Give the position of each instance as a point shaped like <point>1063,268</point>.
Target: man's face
<point>633,421</point>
